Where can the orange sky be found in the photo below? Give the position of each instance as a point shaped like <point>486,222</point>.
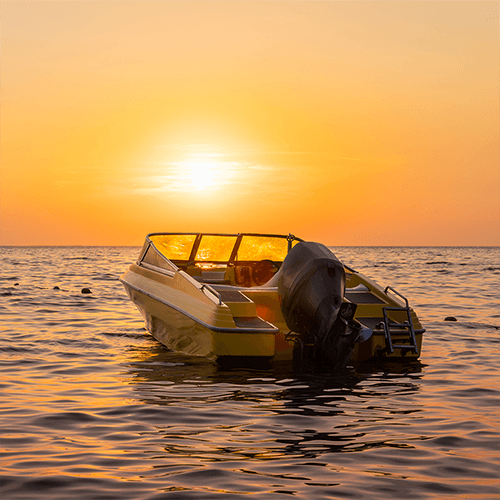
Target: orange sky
<point>349,123</point>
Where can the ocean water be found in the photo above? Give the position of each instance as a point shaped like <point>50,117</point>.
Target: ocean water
<point>92,407</point>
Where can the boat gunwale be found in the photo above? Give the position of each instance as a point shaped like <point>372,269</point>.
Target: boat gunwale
<point>156,269</point>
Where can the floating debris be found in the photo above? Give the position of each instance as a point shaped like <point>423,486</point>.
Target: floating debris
<point>450,318</point>
<point>86,290</point>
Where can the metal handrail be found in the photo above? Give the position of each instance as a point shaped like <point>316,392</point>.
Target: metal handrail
<point>397,293</point>
<point>212,291</point>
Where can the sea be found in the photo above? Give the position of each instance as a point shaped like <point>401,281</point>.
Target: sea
<point>92,407</point>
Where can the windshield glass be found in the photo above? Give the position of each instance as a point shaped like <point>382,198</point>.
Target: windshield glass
<point>174,246</point>
<point>215,248</point>
<point>262,247</point>
<point>220,247</point>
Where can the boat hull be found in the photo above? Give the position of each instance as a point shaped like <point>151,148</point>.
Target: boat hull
<point>182,333</point>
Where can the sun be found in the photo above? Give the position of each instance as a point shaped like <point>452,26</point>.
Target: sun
<point>202,174</point>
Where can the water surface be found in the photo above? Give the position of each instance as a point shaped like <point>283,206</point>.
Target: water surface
<point>92,407</point>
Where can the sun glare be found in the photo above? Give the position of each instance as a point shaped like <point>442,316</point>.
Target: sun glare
<point>202,174</point>
<point>195,169</point>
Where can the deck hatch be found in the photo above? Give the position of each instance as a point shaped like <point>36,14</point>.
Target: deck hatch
<point>232,296</point>
<point>363,298</point>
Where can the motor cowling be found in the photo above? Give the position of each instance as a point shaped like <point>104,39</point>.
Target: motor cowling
<point>311,289</point>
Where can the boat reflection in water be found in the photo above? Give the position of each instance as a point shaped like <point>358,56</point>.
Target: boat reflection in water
<point>203,412</point>
<point>246,298</point>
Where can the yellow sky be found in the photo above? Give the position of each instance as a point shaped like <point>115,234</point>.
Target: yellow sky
<point>349,123</point>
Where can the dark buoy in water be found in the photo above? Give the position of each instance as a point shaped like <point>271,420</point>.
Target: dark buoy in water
<point>86,290</point>
<point>450,318</point>
<point>56,288</point>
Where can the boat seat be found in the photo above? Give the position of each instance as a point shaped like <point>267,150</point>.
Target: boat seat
<point>273,282</point>
<point>271,285</point>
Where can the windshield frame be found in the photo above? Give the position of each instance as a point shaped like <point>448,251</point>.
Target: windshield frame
<point>233,257</point>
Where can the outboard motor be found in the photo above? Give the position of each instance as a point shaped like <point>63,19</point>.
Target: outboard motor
<point>311,289</point>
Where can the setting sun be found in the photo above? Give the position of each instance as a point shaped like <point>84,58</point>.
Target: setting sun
<point>202,174</point>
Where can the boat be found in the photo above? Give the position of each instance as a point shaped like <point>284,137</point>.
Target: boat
<point>250,297</point>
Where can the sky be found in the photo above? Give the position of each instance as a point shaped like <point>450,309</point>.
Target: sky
<point>343,122</point>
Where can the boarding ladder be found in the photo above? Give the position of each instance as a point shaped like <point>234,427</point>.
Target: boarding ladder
<point>390,328</point>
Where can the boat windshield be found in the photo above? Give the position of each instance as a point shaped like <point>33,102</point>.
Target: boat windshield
<point>174,246</point>
<point>222,248</point>
<point>215,248</point>
<point>256,247</point>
